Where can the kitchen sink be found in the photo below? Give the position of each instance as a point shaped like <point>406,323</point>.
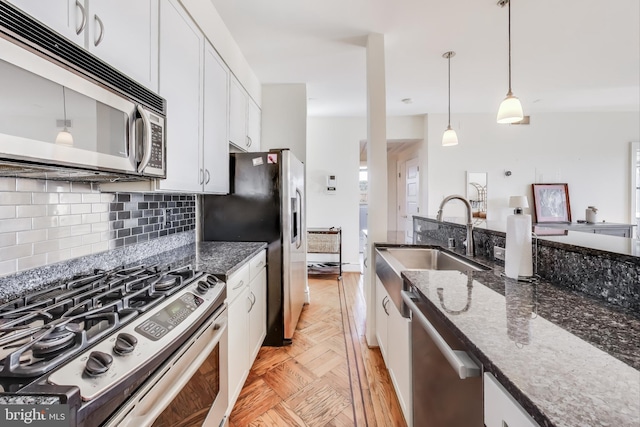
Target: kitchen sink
<point>431,259</point>
<point>390,262</point>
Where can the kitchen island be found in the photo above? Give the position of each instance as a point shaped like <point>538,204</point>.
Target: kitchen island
<point>568,359</point>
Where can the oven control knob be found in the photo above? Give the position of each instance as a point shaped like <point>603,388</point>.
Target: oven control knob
<point>125,343</point>
<point>212,281</point>
<point>98,363</point>
<point>203,287</point>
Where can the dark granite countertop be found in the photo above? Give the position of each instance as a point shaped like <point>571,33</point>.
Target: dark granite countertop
<point>568,359</point>
<point>219,258</point>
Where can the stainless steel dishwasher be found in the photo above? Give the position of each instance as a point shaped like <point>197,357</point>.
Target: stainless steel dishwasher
<point>447,381</point>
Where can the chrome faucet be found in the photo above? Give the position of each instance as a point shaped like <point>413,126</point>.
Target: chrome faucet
<point>469,242</point>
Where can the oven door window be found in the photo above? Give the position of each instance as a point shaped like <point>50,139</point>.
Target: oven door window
<point>191,406</point>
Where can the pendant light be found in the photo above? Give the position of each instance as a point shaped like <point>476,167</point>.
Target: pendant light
<point>449,137</point>
<point>510,110</point>
<point>64,136</point>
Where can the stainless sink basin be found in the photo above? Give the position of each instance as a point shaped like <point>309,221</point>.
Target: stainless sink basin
<point>431,259</point>
<point>390,262</point>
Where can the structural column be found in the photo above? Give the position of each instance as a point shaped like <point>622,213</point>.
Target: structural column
<point>377,169</point>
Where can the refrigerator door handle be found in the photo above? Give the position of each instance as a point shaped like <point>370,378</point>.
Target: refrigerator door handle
<point>299,219</point>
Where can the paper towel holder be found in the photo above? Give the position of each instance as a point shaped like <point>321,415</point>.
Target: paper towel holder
<point>518,203</point>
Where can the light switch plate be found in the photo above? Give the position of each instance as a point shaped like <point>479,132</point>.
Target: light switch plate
<point>498,252</point>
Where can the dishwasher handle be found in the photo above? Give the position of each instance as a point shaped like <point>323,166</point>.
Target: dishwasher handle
<point>459,360</point>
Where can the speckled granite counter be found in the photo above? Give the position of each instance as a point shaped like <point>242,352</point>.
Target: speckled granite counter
<point>569,359</point>
<point>219,258</point>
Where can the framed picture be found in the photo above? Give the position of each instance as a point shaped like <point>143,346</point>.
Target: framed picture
<point>551,203</point>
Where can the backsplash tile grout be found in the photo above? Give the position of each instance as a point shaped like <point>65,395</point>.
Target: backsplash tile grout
<point>44,222</point>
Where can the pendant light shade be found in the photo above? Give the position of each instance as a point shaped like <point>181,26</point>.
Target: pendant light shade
<point>510,110</point>
<point>64,137</point>
<point>449,137</point>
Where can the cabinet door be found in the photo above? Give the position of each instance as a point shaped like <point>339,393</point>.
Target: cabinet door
<point>399,344</point>
<point>124,34</point>
<point>237,114</point>
<point>382,316</point>
<point>181,57</point>
<point>254,126</point>
<point>66,17</point>
<point>500,408</point>
<point>215,140</point>
<point>257,314</point>
<point>238,344</point>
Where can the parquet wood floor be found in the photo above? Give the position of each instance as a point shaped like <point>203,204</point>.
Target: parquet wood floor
<point>328,376</point>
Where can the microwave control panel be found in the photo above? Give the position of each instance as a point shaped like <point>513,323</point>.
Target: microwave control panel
<point>157,147</point>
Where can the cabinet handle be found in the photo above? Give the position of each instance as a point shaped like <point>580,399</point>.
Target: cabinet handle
<point>249,141</point>
<point>459,360</point>
<point>238,286</point>
<point>201,176</point>
<point>83,23</point>
<point>208,176</point>
<point>252,302</point>
<point>101,36</point>
<point>385,300</point>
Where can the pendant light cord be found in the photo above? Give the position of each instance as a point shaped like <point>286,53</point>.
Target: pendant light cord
<point>64,107</point>
<point>449,62</point>
<point>509,29</point>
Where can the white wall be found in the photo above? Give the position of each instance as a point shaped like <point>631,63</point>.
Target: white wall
<point>333,146</point>
<point>589,151</point>
<point>284,118</point>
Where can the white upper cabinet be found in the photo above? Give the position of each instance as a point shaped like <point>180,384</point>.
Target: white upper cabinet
<point>215,150</point>
<point>237,114</point>
<point>66,17</point>
<point>180,83</point>
<point>244,118</point>
<point>254,126</point>
<point>122,33</point>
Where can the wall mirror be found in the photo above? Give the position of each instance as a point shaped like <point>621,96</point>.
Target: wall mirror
<point>477,193</point>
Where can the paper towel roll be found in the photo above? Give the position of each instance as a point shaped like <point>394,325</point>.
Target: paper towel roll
<point>518,258</point>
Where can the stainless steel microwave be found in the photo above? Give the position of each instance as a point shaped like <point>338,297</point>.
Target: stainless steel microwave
<point>65,114</point>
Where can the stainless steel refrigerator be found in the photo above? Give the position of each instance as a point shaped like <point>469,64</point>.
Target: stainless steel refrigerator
<point>266,203</point>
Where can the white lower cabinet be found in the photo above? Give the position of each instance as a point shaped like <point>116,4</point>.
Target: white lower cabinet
<point>500,408</point>
<point>382,316</point>
<point>393,333</point>
<point>247,327</point>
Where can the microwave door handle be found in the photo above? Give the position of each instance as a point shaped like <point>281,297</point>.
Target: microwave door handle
<point>146,140</point>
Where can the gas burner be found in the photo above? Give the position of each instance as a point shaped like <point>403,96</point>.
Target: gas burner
<point>42,330</point>
<point>166,282</point>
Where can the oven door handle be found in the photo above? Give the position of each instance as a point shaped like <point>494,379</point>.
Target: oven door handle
<point>156,399</point>
<point>459,360</point>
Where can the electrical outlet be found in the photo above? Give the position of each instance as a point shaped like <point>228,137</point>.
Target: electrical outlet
<point>498,252</point>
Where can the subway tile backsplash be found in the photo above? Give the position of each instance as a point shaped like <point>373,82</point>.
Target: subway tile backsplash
<point>44,222</point>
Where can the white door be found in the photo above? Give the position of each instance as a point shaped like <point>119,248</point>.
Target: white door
<point>412,192</point>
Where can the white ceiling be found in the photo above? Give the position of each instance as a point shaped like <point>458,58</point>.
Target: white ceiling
<point>568,55</point>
